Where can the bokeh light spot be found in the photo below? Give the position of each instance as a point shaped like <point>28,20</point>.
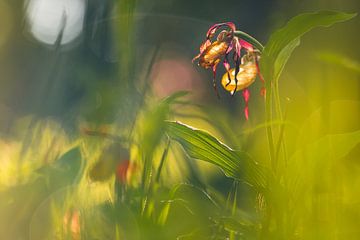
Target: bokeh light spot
<point>48,19</point>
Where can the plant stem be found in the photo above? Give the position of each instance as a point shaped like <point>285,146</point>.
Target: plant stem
<point>234,206</point>
<point>280,142</point>
<point>250,39</point>
<point>268,113</point>
<point>162,161</point>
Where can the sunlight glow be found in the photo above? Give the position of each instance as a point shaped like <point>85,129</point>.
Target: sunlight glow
<point>47,19</point>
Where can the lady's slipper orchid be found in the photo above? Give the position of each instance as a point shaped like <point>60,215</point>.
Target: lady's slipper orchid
<point>245,65</point>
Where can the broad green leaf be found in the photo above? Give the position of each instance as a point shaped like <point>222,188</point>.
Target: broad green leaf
<point>284,56</point>
<point>285,40</point>
<point>201,145</point>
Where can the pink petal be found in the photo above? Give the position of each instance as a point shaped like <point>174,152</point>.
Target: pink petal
<point>246,95</point>
<point>215,27</point>
<point>246,45</point>
<point>237,46</point>
<point>246,112</point>
<point>229,49</point>
<point>226,65</point>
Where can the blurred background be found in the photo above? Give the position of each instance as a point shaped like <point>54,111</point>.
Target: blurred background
<point>67,51</point>
<point>72,65</point>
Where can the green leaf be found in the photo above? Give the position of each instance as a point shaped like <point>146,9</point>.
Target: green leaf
<point>203,146</point>
<point>64,171</point>
<point>283,57</point>
<point>283,42</point>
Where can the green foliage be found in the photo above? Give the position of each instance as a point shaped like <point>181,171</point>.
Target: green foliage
<point>283,42</point>
<point>288,201</point>
<point>201,145</point>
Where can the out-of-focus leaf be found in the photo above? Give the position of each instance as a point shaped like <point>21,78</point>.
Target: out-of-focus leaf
<point>339,59</point>
<point>201,145</point>
<point>64,171</point>
<point>285,40</point>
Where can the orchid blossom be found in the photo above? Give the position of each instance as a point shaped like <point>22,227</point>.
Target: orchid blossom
<point>245,56</point>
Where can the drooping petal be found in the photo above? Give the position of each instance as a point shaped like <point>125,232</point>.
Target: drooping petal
<point>210,33</point>
<point>246,96</point>
<point>248,46</point>
<point>237,46</point>
<point>226,64</point>
<point>237,61</point>
<point>221,36</point>
<point>246,112</point>
<point>227,67</point>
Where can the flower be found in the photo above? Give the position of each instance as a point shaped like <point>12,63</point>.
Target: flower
<point>245,59</point>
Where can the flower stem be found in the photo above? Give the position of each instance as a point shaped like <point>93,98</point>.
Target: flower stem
<point>250,39</point>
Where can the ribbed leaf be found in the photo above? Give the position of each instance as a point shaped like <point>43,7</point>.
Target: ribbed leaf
<point>285,40</point>
<point>203,146</point>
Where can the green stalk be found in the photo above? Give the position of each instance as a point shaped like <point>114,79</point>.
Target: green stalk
<point>268,113</point>
<point>249,39</point>
<point>268,100</point>
<point>233,209</point>
<point>162,161</point>
<point>280,143</point>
